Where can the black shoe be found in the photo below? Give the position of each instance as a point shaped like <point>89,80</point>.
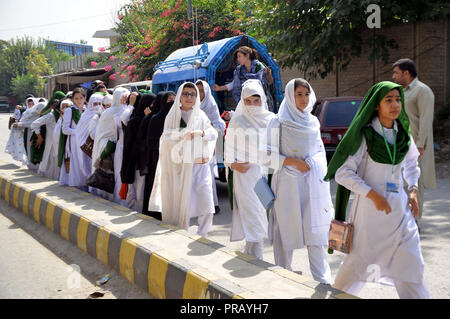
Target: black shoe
<point>217,209</point>
<point>417,223</point>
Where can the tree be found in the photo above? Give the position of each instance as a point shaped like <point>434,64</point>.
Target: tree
<point>151,30</point>
<point>320,36</point>
<point>18,55</point>
<point>37,64</point>
<point>22,85</point>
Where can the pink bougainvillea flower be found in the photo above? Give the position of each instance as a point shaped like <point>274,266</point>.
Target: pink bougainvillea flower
<point>123,76</point>
<point>108,68</point>
<point>93,64</point>
<point>211,35</point>
<point>101,49</point>
<point>112,58</point>
<point>123,67</point>
<point>112,77</point>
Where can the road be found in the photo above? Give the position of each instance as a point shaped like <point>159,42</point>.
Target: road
<point>435,239</point>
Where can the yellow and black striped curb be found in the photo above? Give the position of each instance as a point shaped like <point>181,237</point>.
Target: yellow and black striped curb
<point>156,270</point>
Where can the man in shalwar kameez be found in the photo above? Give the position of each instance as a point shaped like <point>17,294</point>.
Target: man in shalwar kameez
<point>419,106</point>
<point>373,158</point>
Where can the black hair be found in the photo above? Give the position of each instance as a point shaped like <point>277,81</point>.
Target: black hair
<point>302,83</point>
<point>406,65</point>
<point>252,53</point>
<point>190,85</point>
<point>99,87</point>
<point>41,100</point>
<point>79,90</point>
<point>55,104</point>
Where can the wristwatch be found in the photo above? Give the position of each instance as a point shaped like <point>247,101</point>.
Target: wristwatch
<point>413,188</point>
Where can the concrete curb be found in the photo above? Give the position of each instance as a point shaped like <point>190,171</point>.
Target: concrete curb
<point>140,257</point>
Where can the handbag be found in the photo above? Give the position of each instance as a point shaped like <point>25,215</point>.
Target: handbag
<point>340,237</point>
<point>88,146</point>
<point>341,232</point>
<point>101,180</point>
<point>12,120</point>
<point>264,193</point>
<point>67,159</point>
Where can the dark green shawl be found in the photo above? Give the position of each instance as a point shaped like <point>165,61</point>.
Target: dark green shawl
<point>376,146</point>
<point>35,152</point>
<point>76,115</point>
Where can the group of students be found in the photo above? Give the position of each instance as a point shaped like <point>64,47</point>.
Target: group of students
<point>372,161</point>
<point>163,149</point>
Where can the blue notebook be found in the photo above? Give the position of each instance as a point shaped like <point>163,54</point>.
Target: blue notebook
<point>264,193</point>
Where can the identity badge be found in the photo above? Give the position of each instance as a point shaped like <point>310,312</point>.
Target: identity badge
<point>392,187</point>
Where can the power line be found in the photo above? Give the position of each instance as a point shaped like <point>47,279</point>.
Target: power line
<point>56,23</point>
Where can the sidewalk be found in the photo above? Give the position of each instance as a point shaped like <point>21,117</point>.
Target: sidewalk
<point>165,261</point>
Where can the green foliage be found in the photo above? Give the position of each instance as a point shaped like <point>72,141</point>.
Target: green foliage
<point>444,112</point>
<point>317,35</point>
<point>37,64</point>
<point>151,30</point>
<point>22,85</point>
<point>26,56</point>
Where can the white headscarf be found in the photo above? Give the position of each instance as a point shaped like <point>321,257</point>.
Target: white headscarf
<point>242,113</point>
<point>33,112</point>
<point>82,129</point>
<point>209,106</point>
<point>174,176</point>
<point>67,102</point>
<point>290,113</point>
<point>235,147</point>
<point>106,130</point>
<point>107,99</point>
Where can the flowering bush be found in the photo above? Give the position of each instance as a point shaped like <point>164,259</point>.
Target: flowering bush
<point>151,30</point>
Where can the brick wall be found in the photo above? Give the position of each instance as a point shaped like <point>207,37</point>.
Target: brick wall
<point>427,43</point>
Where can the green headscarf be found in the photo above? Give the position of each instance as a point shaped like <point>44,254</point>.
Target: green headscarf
<point>76,115</point>
<point>35,152</point>
<point>376,146</point>
<point>58,95</point>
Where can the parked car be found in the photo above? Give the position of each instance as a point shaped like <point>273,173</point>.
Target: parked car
<point>4,104</point>
<point>136,86</point>
<point>335,115</point>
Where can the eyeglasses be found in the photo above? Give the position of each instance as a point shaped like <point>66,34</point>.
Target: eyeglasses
<point>192,95</point>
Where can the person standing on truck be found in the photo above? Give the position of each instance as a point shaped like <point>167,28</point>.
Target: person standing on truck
<point>249,67</point>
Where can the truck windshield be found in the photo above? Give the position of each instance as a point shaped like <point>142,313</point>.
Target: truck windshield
<point>341,113</point>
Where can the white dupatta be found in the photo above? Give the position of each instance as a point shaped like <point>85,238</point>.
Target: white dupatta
<point>106,129</point>
<point>301,138</point>
<point>176,162</point>
<point>243,121</point>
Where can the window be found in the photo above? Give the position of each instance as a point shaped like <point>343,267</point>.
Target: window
<point>341,113</point>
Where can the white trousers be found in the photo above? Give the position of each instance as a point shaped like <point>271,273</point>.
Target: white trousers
<point>204,224</point>
<point>213,176</point>
<point>348,282</point>
<point>318,264</point>
<point>254,249</point>
<point>137,200</point>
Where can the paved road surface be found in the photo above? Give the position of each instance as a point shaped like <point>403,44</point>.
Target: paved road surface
<point>435,236</point>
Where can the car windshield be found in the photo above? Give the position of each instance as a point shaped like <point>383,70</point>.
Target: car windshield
<point>341,113</point>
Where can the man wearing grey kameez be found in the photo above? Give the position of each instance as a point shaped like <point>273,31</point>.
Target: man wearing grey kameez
<point>419,105</point>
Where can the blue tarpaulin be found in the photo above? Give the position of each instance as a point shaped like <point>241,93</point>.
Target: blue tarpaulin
<point>208,57</point>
